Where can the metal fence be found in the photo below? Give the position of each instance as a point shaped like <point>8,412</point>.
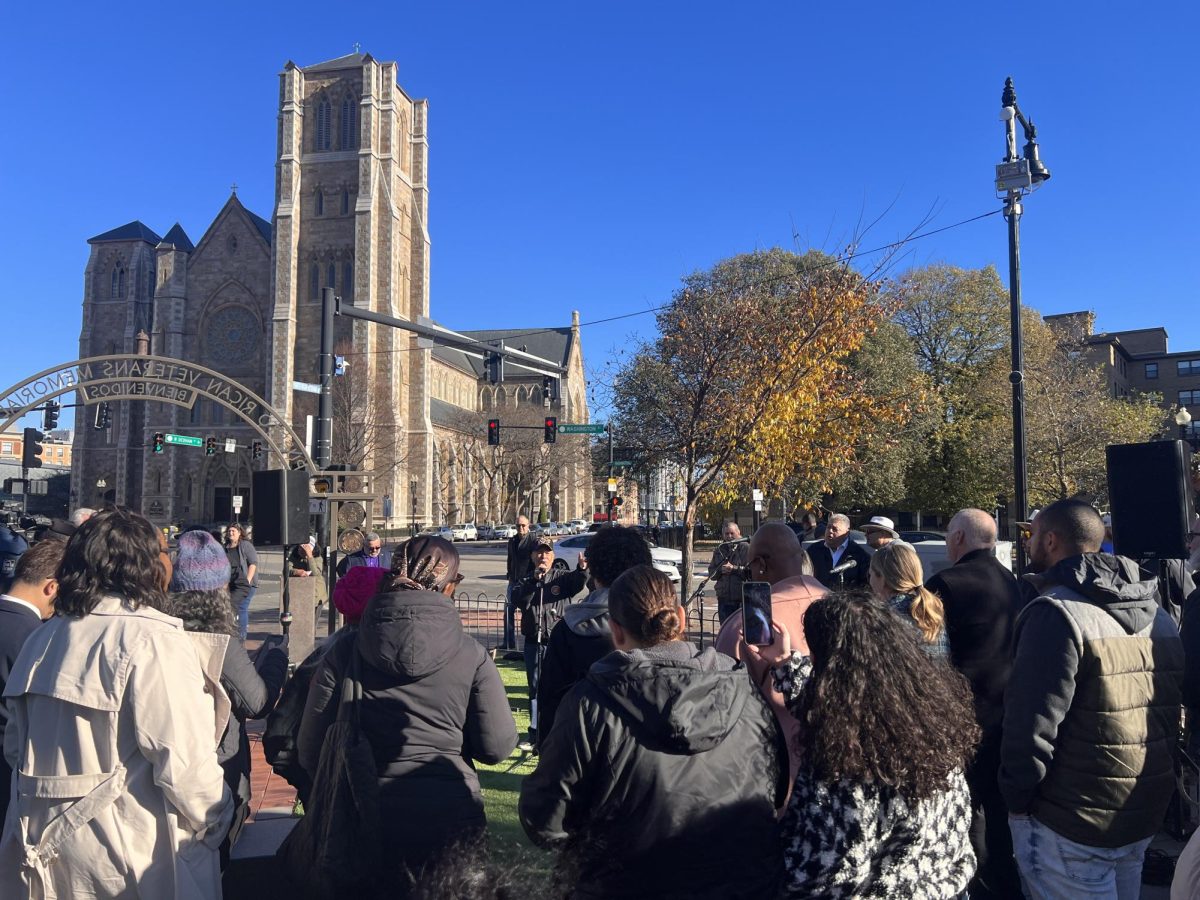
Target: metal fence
<point>482,617</point>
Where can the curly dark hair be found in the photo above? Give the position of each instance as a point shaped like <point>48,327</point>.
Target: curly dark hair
<point>878,707</point>
<point>205,611</point>
<point>116,552</point>
<point>616,549</point>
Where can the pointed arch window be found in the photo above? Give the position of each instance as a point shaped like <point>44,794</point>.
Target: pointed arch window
<point>323,124</point>
<point>117,289</point>
<point>349,121</point>
<point>314,281</point>
<point>331,276</point>
<point>345,201</point>
<point>347,281</point>
<point>319,202</point>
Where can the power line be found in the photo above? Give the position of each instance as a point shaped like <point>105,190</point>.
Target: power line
<point>835,261</point>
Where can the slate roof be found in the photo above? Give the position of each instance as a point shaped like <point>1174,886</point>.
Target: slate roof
<point>349,61</point>
<point>553,344</point>
<point>133,231</point>
<point>263,226</point>
<point>446,415</point>
<point>458,360</point>
<point>178,238</point>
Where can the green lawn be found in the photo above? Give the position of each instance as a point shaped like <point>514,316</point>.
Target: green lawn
<point>502,783</point>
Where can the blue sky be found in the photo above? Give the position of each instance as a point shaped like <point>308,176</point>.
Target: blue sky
<point>585,156</point>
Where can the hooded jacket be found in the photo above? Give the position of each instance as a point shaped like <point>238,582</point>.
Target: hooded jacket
<point>432,702</point>
<point>580,638</point>
<point>1092,709</point>
<point>660,779</point>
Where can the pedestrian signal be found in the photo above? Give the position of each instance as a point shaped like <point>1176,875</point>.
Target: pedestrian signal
<point>159,440</point>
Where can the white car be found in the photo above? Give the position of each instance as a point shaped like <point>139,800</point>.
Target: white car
<point>666,561</point>
<point>504,532</point>
<point>579,526</point>
<point>465,532</point>
<point>445,532</point>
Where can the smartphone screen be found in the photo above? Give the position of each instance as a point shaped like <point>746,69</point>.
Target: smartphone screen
<point>756,613</point>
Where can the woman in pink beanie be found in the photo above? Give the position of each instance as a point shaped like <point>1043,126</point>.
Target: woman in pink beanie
<point>354,589</point>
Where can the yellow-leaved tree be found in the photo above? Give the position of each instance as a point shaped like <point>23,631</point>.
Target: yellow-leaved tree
<point>748,383</point>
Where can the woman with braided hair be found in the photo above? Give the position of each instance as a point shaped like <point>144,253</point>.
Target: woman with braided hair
<point>663,769</point>
<point>432,704</point>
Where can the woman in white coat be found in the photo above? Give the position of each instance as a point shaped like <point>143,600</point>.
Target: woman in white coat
<point>115,714</point>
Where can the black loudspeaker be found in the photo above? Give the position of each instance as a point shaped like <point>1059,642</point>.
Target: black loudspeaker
<point>278,520</point>
<point>1149,490</point>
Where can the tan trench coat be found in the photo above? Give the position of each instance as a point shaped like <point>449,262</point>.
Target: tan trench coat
<point>114,720</point>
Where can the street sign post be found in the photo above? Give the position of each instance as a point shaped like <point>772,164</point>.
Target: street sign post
<point>589,428</point>
<point>622,463</point>
<point>183,440</point>
<point>231,445</point>
<point>237,503</point>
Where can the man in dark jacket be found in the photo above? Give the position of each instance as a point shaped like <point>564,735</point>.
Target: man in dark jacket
<point>517,566</point>
<point>27,602</point>
<point>1091,714</point>
<point>582,636</point>
<point>980,599</point>
<point>372,554</point>
<point>728,569</point>
<point>542,597</point>
<point>836,550</point>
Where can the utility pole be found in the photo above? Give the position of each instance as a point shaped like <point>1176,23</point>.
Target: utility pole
<point>1016,177</point>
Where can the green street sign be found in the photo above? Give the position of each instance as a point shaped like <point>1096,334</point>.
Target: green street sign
<point>622,463</point>
<point>183,440</point>
<point>581,429</point>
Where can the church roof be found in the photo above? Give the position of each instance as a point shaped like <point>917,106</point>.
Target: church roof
<point>447,415</point>
<point>133,231</point>
<point>458,360</point>
<point>263,226</point>
<point>553,344</point>
<point>349,61</point>
<point>178,238</point>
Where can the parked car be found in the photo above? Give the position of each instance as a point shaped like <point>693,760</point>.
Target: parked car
<point>445,532</point>
<point>464,532</point>
<point>546,529</point>
<point>567,551</point>
<point>504,532</point>
<point>486,532</point>
<point>915,537</point>
<point>579,526</point>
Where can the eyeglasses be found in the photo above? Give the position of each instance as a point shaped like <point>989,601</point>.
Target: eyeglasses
<point>520,526</point>
<point>374,548</point>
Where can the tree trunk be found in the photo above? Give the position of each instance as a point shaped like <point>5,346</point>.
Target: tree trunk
<point>689,529</point>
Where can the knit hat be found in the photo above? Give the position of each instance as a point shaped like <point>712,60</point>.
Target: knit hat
<point>201,564</point>
<point>354,589</point>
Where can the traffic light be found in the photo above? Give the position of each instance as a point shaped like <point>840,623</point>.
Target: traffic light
<point>103,416</point>
<point>551,429</point>
<point>493,432</point>
<point>31,451</point>
<point>210,446</point>
<point>546,390</point>
<point>159,440</point>
<point>495,368</point>
<point>50,415</point>
<point>256,450</point>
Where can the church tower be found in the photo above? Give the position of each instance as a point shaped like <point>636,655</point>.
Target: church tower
<point>351,208</point>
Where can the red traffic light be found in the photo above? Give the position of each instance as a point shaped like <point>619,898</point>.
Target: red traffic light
<point>551,433</point>
<point>493,432</point>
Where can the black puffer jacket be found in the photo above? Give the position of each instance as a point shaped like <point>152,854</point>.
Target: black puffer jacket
<point>432,702</point>
<point>661,778</point>
<point>543,600</point>
<point>582,637</point>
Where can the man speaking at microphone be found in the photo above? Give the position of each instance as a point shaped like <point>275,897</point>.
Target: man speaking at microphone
<point>541,596</point>
<point>831,556</point>
<point>728,569</point>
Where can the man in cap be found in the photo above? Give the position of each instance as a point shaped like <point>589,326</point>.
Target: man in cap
<point>542,596</point>
<point>880,531</point>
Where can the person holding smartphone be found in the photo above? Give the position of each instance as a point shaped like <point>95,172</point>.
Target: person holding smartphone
<point>664,768</point>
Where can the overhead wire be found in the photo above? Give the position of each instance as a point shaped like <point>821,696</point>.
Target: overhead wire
<point>833,261</point>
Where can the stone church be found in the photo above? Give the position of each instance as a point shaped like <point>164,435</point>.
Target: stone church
<point>351,213</point>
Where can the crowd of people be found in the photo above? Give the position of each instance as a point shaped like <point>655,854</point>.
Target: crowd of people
<point>970,734</point>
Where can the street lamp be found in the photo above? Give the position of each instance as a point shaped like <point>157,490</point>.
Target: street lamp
<point>1016,177</point>
<point>1183,419</point>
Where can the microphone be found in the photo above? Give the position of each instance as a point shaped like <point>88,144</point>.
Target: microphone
<point>844,567</point>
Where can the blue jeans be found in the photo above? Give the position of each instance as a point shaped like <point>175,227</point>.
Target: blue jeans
<point>243,614</point>
<point>1055,868</point>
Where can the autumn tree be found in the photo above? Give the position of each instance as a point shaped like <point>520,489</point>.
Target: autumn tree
<point>957,322</point>
<point>748,382</point>
<point>1071,415</point>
